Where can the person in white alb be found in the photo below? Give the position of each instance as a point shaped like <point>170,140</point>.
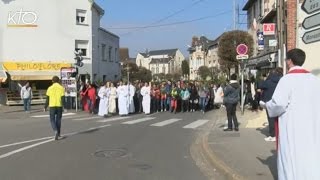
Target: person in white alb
<point>132,90</point>
<point>123,103</point>
<point>146,93</point>
<point>26,96</point>
<point>112,99</point>
<point>104,93</point>
<point>296,104</point>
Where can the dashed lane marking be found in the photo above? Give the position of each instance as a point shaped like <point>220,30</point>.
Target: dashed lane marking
<point>166,122</point>
<point>195,124</point>
<point>139,120</point>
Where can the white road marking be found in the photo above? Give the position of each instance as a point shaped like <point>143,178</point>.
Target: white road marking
<point>47,140</point>
<point>88,118</point>
<point>24,148</point>
<point>47,115</point>
<point>195,124</point>
<point>139,120</point>
<point>166,122</point>
<point>114,119</point>
<point>225,124</point>
<point>24,142</point>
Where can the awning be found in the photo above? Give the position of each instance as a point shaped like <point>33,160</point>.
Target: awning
<point>3,74</point>
<point>33,75</point>
<point>264,61</point>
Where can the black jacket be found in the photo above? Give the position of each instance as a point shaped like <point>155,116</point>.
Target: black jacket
<point>232,93</point>
<point>268,86</point>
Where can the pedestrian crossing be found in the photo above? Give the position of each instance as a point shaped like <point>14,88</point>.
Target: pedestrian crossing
<point>151,120</point>
<point>166,122</point>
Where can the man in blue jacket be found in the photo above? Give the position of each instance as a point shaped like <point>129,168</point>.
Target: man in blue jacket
<point>268,87</point>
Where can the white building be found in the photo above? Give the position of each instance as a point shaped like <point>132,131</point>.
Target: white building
<point>167,60</point>
<point>40,37</point>
<point>203,52</point>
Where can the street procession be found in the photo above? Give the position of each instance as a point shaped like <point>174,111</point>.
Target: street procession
<point>123,99</point>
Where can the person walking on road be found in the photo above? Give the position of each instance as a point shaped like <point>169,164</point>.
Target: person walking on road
<point>26,96</point>
<point>296,102</point>
<point>268,86</point>
<point>231,99</point>
<point>112,99</point>
<point>104,93</point>
<point>146,101</point>
<point>55,101</point>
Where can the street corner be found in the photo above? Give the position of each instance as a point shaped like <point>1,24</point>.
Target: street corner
<point>255,120</point>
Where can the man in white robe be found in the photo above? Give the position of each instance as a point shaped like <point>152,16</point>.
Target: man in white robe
<point>132,91</point>
<point>296,103</point>
<point>103,93</point>
<point>146,101</point>
<point>123,104</point>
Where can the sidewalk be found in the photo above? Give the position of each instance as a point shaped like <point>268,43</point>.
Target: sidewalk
<point>244,154</point>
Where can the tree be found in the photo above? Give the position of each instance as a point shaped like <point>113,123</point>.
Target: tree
<point>143,75</point>
<point>204,72</point>
<point>133,68</point>
<point>227,48</point>
<point>185,68</point>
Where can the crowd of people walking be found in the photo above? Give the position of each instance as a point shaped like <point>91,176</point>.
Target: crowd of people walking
<point>127,98</point>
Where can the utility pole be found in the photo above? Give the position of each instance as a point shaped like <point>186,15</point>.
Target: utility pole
<point>281,34</point>
<point>234,15</point>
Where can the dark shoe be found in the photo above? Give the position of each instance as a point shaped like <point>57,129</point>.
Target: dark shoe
<point>236,129</point>
<point>228,129</point>
<point>56,137</point>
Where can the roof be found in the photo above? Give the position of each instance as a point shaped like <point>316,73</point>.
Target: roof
<point>124,54</point>
<point>248,5</point>
<point>204,42</point>
<point>104,30</point>
<point>160,61</point>
<point>98,8</point>
<point>170,52</point>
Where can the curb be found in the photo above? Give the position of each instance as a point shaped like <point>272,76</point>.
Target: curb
<point>216,162</point>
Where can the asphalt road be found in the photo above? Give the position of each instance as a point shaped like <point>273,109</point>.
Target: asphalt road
<point>137,147</point>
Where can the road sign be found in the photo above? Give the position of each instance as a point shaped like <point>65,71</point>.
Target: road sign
<point>242,49</point>
<point>269,28</point>
<point>311,36</point>
<point>311,6</point>
<point>311,21</point>
<point>241,57</point>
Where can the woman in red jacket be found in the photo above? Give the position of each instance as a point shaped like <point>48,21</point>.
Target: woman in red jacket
<point>92,97</point>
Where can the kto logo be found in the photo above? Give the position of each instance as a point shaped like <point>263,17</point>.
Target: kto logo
<point>22,18</point>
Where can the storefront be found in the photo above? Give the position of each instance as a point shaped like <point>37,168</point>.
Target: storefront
<point>15,74</point>
<point>266,61</point>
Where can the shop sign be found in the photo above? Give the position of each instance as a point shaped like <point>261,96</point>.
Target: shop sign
<point>34,66</point>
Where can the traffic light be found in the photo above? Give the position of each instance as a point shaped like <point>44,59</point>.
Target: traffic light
<point>78,58</point>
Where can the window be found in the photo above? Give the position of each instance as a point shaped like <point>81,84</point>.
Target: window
<point>94,77</point>
<point>103,52</point>
<point>110,52</point>
<point>164,69</point>
<point>157,70</point>
<point>104,78</point>
<point>152,70</point>
<point>82,45</point>
<point>81,16</point>
<point>115,54</point>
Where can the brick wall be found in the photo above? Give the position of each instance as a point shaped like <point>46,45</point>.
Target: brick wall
<point>291,23</point>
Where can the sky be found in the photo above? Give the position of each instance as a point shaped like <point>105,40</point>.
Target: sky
<point>131,21</point>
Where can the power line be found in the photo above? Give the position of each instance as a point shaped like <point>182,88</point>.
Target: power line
<point>167,17</point>
<point>174,23</point>
<point>177,12</point>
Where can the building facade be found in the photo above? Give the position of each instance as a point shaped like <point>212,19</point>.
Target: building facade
<point>203,52</point>
<point>40,37</point>
<point>303,37</point>
<point>170,60</point>
<point>261,14</point>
